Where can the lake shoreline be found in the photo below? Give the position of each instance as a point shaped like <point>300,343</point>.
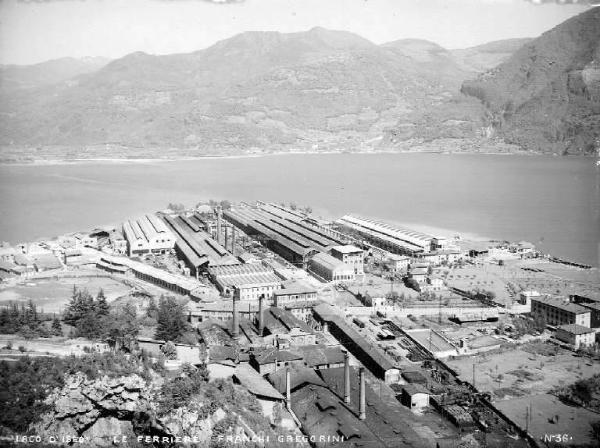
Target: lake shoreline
<point>149,160</point>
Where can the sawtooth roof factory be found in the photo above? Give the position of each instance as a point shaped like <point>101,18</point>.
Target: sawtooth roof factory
<point>397,240</point>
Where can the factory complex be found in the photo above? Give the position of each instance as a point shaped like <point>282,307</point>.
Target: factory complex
<point>352,332</point>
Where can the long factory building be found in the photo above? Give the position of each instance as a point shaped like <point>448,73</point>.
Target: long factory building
<point>282,231</point>
<point>395,239</point>
<point>196,247</point>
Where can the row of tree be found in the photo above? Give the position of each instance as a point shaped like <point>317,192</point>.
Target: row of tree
<point>25,320</point>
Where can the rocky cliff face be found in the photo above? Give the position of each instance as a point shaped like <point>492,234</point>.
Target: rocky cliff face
<point>102,409</point>
<point>546,97</point>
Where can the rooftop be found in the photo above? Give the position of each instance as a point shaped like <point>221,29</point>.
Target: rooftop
<point>561,304</point>
<point>295,287</point>
<point>315,355</point>
<point>327,261</point>
<point>347,249</point>
<point>576,329</point>
<point>255,383</point>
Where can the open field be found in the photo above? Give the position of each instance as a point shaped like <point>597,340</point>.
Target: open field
<point>521,372</point>
<point>52,295</point>
<point>574,422</point>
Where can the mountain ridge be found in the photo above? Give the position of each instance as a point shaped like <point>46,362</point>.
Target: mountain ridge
<point>262,91</point>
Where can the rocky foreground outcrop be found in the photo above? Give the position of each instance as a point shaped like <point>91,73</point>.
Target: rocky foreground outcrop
<point>100,410</point>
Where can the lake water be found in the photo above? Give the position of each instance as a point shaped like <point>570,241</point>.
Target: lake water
<point>550,201</point>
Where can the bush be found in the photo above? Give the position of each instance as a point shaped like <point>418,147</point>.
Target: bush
<point>22,348</point>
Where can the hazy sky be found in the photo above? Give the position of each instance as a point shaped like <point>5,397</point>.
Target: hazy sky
<point>37,30</point>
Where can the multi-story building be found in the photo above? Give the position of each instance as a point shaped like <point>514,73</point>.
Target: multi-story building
<point>559,311</point>
<point>576,335</point>
<point>148,234</point>
<point>351,255</point>
<point>246,281</point>
<point>294,292</point>
<point>331,269</point>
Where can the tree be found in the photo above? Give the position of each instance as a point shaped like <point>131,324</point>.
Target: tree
<point>102,307</point>
<point>122,325</point>
<point>152,310</point>
<point>596,429</point>
<point>172,323</point>
<point>56,327</point>
<point>169,350</point>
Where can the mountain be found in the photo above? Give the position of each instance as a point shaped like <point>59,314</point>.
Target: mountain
<point>14,77</point>
<point>546,96</point>
<point>487,56</point>
<point>318,90</point>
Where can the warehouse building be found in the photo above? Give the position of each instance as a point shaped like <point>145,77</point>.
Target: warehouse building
<point>148,234</point>
<point>246,281</point>
<point>394,239</point>
<point>283,231</point>
<point>331,269</point>
<point>196,247</point>
<point>558,311</point>
<point>368,354</point>
<point>172,282</point>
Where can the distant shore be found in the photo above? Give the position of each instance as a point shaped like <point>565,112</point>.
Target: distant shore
<point>149,159</point>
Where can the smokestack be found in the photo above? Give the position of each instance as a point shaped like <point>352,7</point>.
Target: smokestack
<point>219,224</point>
<point>233,241</point>
<point>288,390</point>
<point>362,410</point>
<point>346,377</point>
<point>261,322</point>
<point>235,332</point>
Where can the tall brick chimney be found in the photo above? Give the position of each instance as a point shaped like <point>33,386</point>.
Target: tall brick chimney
<point>346,377</point>
<point>288,389</point>
<point>235,331</point>
<point>261,322</point>
<point>362,410</point>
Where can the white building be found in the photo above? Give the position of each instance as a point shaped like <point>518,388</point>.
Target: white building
<point>351,255</point>
<point>331,269</point>
<point>576,335</point>
<point>148,234</point>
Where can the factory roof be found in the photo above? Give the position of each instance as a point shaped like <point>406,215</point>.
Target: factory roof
<point>328,261</point>
<point>371,350</point>
<point>317,355</point>
<point>272,355</point>
<point>255,383</point>
<point>385,419</point>
<point>576,329</point>
<point>279,321</point>
<point>561,304</point>
<point>295,287</point>
<point>414,377</point>
<point>222,353</point>
<point>299,376</point>
<point>347,249</point>
<point>146,228</point>
<point>416,388</point>
<point>200,245</point>
<point>394,234</point>
<point>167,277</point>
<point>223,305</point>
